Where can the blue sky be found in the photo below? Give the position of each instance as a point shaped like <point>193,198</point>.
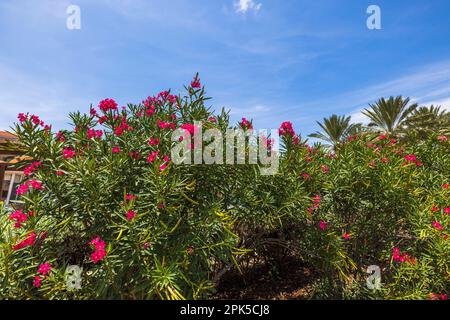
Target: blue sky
<point>269,60</point>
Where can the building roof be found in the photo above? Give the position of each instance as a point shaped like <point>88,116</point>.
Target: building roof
<point>7,136</point>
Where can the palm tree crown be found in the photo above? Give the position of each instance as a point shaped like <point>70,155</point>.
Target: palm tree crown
<point>335,129</point>
<point>389,115</point>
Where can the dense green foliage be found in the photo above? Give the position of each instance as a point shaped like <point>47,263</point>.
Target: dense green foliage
<point>373,199</point>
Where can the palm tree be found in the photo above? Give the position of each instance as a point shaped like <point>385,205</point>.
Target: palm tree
<point>335,129</point>
<point>389,115</point>
<point>426,120</point>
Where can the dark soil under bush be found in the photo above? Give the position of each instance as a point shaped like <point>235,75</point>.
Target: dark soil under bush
<point>263,281</point>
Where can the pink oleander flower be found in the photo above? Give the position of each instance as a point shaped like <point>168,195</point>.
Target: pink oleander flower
<point>212,119</point>
<point>115,149</point>
<point>435,296</point>
<point>35,119</point>
<point>129,197</point>
<point>22,117</point>
<point>286,129</point>
<point>98,256</point>
<point>29,241</point>
<point>150,110</point>
<point>437,225</point>
<point>35,184</point>
<point>190,129</point>
<point>99,250</point>
<point>445,186</point>
<point>107,104</point>
<point>151,158</point>
<point>59,173</point>
<point>325,169</point>
<point>306,176</point>
<point>19,217</point>
<point>68,153</point>
<point>37,282</point>
<point>382,137</point>
<point>44,269</point>
<point>22,189</point>
<point>442,138</point>
<point>93,112</point>
<point>163,166</point>
<point>153,141</point>
<point>31,168</point>
<point>94,134</point>
<point>165,125</point>
<point>434,208</point>
<point>447,210</point>
<point>118,131</point>
<point>196,84</point>
<point>397,256</point>
<point>411,158</point>
<point>131,215</point>
<point>346,236</point>
<point>322,225</point>
<point>245,124</point>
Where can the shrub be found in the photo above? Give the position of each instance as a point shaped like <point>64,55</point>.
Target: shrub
<point>106,197</point>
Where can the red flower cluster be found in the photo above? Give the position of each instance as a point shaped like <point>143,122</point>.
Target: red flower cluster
<point>437,225</point>
<point>165,125</point>
<point>19,217</point>
<point>190,129</point>
<point>153,141</point>
<point>413,158</point>
<point>29,241</point>
<point>196,84</point>
<point>399,257</point>
<point>94,134</point>
<point>129,197</point>
<point>435,296</point>
<point>24,188</point>
<point>245,124</point>
<point>68,153</point>
<point>22,117</point>
<point>286,129</point>
<point>107,104</point>
<point>44,269</point>
<point>131,215</point>
<point>99,250</point>
<point>122,127</point>
<point>31,168</point>
<point>115,149</point>
<point>152,156</point>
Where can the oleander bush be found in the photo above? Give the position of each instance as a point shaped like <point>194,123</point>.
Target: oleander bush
<point>107,197</point>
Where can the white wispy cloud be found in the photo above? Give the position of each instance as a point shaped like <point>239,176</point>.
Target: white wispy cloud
<point>426,85</point>
<point>242,6</point>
